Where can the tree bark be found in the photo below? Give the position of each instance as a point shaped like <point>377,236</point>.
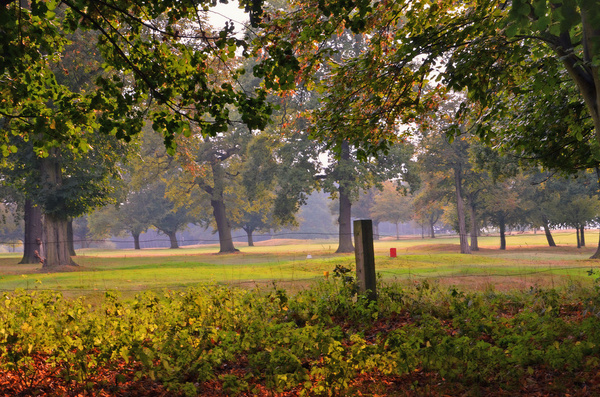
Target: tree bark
<point>70,238</point>
<point>56,239</point>
<point>56,245</point>
<point>584,74</point>
<point>597,253</point>
<point>431,227</point>
<point>577,234</point>
<point>345,219</point>
<point>33,232</point>
<point>345,224</point>
<point>549,237</point>
<point>217,203</point>
<point>223,227</point>
<point>136,240</point>
<point>581,231</point>
<point>462,233</point>
<point>502,234</point>
<point>173,239</point>
<point>250,239</point>
<point>474,229</point>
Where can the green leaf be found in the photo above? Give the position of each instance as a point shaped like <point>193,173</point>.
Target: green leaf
<point>511,30</point>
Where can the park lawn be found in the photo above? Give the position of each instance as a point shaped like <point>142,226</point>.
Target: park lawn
<point>298,263</point>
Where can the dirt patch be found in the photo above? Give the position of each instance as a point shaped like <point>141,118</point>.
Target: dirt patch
<point>281,241</point>
<point>61,269</point>
<point>498,283</point>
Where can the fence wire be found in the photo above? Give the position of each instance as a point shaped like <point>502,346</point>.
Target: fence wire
<point>94,277</point>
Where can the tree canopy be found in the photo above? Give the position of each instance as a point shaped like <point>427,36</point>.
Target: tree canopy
<point>159,59</point>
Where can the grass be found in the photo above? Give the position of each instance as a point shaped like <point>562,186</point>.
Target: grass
<point>528,262</point>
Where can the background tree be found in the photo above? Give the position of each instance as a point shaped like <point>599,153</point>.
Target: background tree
<point>166,216</point>
<point>346,176</point>
<point>363,206</point>
<point>496,50</point>
<point>11,224</point>
<point>453,158</point>
<point>130,215</point>
<point>429,201</point>
<point>393,205</point>
<point>503,205</point>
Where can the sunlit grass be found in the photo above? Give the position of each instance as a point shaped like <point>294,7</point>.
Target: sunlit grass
<point>527,261</point>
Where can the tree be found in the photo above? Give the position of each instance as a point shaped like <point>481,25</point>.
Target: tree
<point>546,196</point>
<point>154,71</point>
<point>211,163</point>
<point>165,215</point>
<point>362,209</point>
<point>429,201</point>
<point>577,203</point>
<point>485,46</point>
<point>452,158</point>
<point>509,56</point>
<point>502,205</point>
<point>345,176</point>
<point>32,217</point>
<point>81,231</point>
<point>61,186</point>
<point>58,180</point>
<point>166,57</point>
<point>255,196</point>
<point>315,219</point>
<point>33,232</point>
<point>11,226</point>
<point>392,205</point>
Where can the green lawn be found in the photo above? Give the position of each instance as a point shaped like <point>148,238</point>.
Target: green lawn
<point>527,262</point>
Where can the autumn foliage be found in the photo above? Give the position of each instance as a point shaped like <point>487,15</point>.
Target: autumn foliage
<point>214,341</point>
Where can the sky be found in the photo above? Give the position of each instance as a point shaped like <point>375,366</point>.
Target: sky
<point>228,12</point>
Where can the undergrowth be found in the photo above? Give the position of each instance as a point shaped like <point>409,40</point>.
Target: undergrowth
<point>316,342</point>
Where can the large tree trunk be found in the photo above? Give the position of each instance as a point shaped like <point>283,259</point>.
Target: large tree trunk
<point>502,234</point>
<point>581,229</point>
<point>219,212</point>
<point>249,232</point>
<point>71,239</point>
<point>345,224</point>
<point>223,227</point>
<point>136,240</point>
<point>462,233</point>
<point>597,253</point>
<point>56,239</point>
<point>585,74</point>
<point>56,247</point>
<point>549,237</point>
<point>577,234</point>
<point>345,218</point>
<point>432,222</point>
<point>173,239</point>
<point>33,233</point>
<point>474,228</point>
<point>375,230</point>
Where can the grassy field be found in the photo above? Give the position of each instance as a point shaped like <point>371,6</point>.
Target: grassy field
<point>527,262</point>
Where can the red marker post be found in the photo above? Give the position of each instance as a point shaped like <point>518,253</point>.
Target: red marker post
<point>392,252</point>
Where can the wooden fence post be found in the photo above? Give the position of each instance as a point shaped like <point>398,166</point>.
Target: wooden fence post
<point>365,257</point>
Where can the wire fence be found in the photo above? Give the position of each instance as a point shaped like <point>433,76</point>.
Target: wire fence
<point>297,268</point>
<point>159,242</point>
